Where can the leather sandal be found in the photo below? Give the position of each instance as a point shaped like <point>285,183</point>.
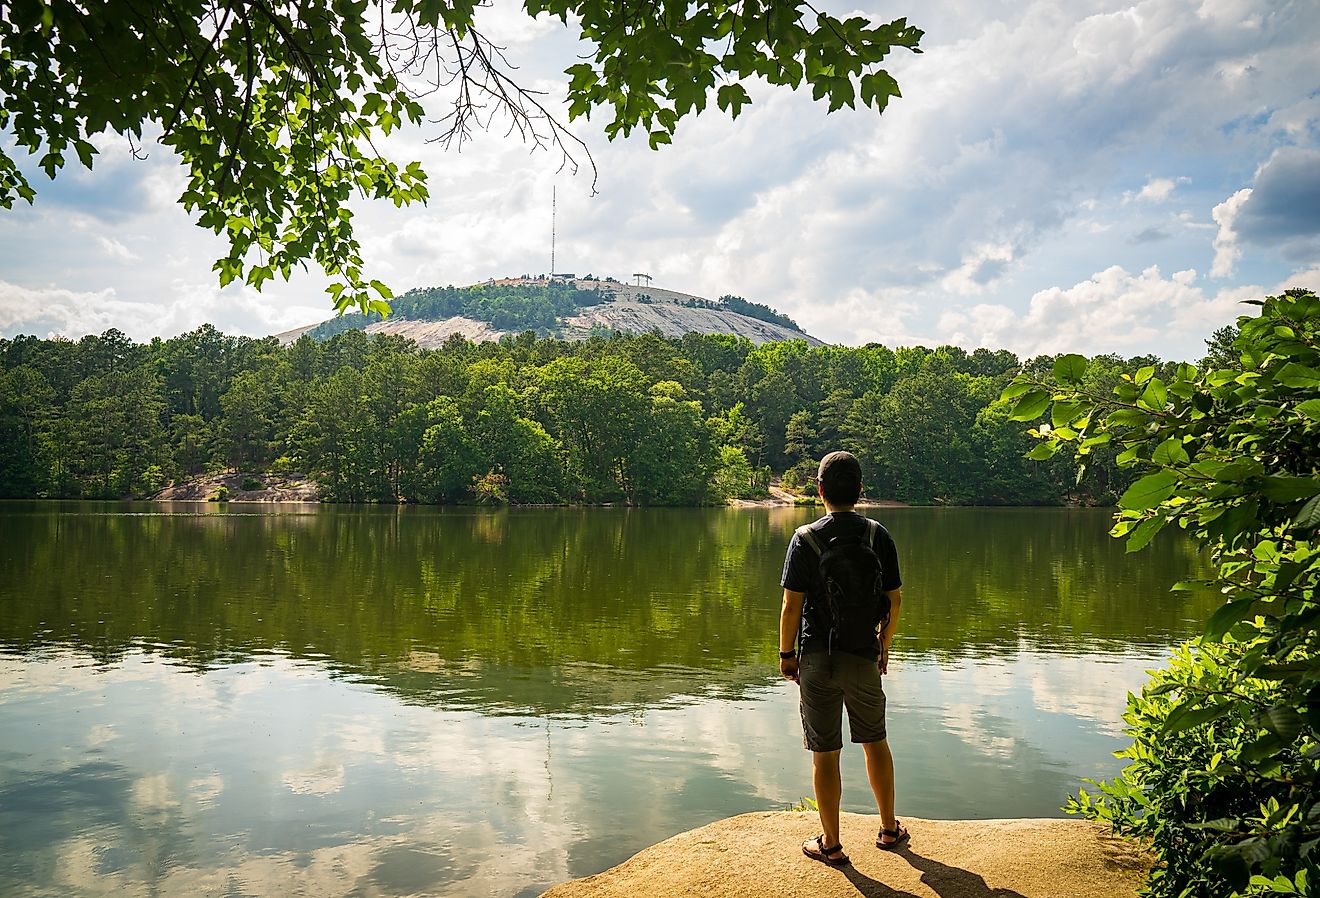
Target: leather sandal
<point>822,853</point>
<point>898,834</point>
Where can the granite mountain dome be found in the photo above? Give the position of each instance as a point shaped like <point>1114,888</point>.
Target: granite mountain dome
<point>563,306</point>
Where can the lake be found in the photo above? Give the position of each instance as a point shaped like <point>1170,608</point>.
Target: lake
<point>326,701</point>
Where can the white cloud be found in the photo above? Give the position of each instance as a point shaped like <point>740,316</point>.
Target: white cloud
<point>116,250</point>
<point>984,265</point>
<point>1156,190</point>
<point>1113,310</point>
<point>1227,251</point>
<point>53,311</point>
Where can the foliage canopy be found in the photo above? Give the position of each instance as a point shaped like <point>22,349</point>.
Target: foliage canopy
<point>1225,768</point>
<point>276,106</point>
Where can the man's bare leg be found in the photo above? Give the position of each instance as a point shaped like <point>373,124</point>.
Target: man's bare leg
<point>880,771</point>
<point>829,793</point>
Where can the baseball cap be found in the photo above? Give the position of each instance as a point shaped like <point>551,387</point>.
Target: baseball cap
<point>840,467</point>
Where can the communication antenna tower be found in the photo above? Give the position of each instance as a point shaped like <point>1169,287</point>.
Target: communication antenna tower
<point>639,277</point>
<point>553,212</point>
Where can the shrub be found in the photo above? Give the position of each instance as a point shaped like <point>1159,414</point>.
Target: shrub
<point>253,483</point>
<point>152,480</point>
<point>1198,793</point>
<point>284,465</point>
<point>1225,766</point>
<point>735,478</point>
<point>221,494</point>
<point>491,489</point>
<point>801,477</point>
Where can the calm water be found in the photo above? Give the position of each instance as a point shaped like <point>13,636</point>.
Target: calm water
<point>402,701</point>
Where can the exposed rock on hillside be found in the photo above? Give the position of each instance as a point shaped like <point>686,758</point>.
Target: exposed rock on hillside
<point>629,308</point>
<point>268,488</point>
<point>432,334</point>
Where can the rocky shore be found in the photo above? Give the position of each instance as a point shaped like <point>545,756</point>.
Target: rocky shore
<point>759,854</point>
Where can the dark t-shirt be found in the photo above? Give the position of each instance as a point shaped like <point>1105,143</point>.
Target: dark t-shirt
<point>802,573</point>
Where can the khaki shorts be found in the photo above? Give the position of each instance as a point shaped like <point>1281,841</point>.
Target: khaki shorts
<point>830,682</point>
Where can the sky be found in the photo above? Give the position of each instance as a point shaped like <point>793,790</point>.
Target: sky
<point>1057,177</point>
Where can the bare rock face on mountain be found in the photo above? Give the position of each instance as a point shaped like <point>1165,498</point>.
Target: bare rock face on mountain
<point>627,307</point>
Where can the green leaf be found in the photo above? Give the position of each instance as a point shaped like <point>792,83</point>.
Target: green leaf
<point>1309,517</point>
<point>1283,489</point>
<point>1295,375</point>
<point>1266,746</point>
<point>1015,389</point>
<point>1070,369</point>
<point>1031,406</point>
<point>732,98</point>
<point>1170,452</point>
<point>1156,395</point>
<point>1149,491</point>
<point>1144,533</point>
<point>1284,722</point>
<point>85,152</point>
<point>1226,617</point>
<point>1225,472</point>
<point>1065,411</point>
<point>1043,451</point>
<point>1186,716</point>
<point>1129,417</point>
<point>1310,408</point>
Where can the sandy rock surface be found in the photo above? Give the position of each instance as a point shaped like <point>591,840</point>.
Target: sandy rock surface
<point>760,855</point>
<point>274,488</point>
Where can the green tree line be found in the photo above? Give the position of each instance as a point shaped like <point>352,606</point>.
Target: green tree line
<point>641,419</point>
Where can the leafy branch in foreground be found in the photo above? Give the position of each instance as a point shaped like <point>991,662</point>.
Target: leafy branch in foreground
<point>275,106</point>
<point>1226,752</point>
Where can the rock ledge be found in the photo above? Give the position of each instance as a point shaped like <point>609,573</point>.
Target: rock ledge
<point>758,855</point>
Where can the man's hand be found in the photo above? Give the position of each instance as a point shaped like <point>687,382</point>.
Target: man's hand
<point>788,667</point>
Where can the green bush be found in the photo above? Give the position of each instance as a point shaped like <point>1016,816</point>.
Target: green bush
<point>221,494</point>
<point>152,480</point>
<point>1211,811</point>
<point>253,483</point>
<point>284,465</point>
<point>735,478</point>
<point>1226,753</point>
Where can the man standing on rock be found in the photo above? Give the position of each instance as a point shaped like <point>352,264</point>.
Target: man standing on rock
<point>841,602</point>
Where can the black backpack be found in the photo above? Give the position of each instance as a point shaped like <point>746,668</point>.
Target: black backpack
<point>855,602</point>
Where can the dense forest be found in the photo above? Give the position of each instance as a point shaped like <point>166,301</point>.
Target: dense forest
<point>641,419</point>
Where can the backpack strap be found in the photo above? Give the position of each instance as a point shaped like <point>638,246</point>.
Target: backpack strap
<point>872,531</point>
<point>805,534</point>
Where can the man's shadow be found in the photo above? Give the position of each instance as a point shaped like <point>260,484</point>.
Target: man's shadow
<point>953,882</point>
<point>943,880</point>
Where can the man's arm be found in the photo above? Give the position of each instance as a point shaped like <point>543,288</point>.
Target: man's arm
<point>790,617</point>
<point>887,634</point>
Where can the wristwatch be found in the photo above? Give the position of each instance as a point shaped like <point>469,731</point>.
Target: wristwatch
<point>791,653</point>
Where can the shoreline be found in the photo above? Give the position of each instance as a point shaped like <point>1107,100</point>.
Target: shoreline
<point>298,489</point>
<point>759,854</point>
